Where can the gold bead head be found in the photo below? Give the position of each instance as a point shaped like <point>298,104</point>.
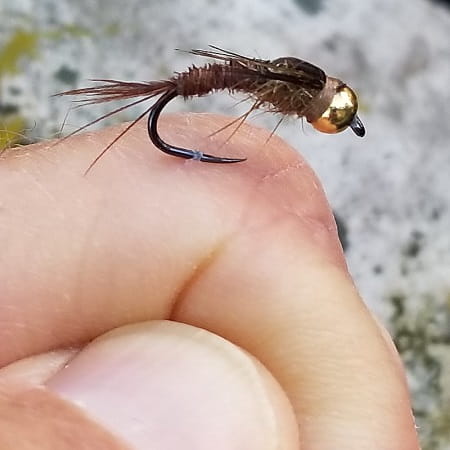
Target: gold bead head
<point>341,113</point>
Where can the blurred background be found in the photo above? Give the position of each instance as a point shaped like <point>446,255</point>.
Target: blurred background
<point>390,191</point>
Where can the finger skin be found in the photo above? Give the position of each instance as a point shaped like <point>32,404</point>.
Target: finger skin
<point>171,386</point>
<point>33,418</point>
<point>248,251</point>
<point>156,384</point>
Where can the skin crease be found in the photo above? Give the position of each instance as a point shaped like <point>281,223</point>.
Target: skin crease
<point>247,251</point>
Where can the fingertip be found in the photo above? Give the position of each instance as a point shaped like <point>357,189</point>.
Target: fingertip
<point>169,386</point>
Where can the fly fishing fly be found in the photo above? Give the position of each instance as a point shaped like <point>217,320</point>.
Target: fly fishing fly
<point>287,85</point>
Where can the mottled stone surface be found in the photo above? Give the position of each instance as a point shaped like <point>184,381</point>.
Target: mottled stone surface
<point>391,190</point>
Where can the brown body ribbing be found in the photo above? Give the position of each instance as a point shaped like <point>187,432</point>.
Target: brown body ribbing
<point>267,90</point>
<point>203,80</point>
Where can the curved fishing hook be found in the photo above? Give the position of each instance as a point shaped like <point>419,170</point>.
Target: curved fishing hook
<point>152,126</point>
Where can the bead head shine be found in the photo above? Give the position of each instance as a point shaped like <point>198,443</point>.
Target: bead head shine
<point>340,113</point>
